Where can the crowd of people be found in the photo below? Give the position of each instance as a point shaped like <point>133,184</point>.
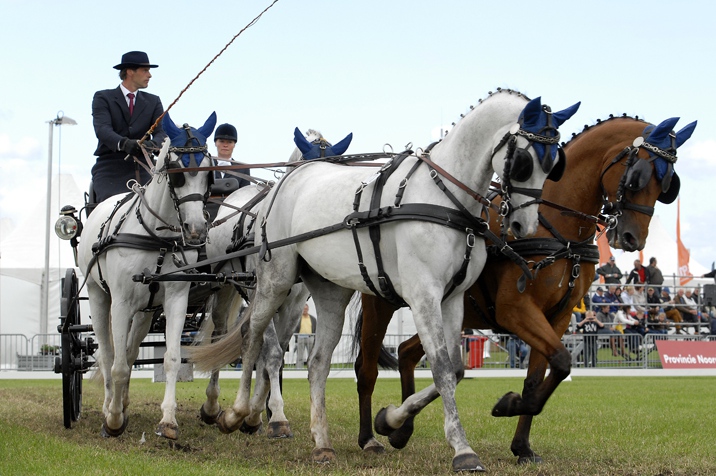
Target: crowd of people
<point>640,306</point>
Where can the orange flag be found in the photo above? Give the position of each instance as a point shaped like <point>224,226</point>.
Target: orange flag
<point>683,254</point>
<point>604,252</point>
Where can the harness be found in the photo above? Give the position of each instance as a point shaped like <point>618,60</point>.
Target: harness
<point>153,242</point>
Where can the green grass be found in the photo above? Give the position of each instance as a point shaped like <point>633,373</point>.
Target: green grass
<point>591,426</point>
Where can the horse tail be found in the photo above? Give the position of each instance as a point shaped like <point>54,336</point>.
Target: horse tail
<point>386,360</point>
<point>227,349</point>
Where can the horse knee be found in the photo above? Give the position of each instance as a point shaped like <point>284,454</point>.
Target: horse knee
<point>561,364</point>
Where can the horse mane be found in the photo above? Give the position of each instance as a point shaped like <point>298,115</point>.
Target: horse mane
<point>602,121</point>
<point>489,95</point>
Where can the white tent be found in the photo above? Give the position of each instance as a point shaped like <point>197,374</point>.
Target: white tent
<point>662,245</point>
<point>22,264</point>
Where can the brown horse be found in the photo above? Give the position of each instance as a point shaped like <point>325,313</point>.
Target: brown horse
<point>609,169</point>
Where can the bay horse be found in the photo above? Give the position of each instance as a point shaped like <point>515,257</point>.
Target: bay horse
<point>160,226</point>
<point>233,230</point>
<point>620,166</point>
<point>315,212</point>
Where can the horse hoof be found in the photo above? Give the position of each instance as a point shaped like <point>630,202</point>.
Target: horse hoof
<point>381,423</point>
<point>108,432</point>
<point>533,458</point>
<point>169,431</point>
<point>249,429</point>
<point>373,448</point>
<point>221,424</point>
<point>279,429</point>
<point>467,462</point>
<point>507,405</point>
<point>399,438</point>
<point>206,418</point>
<point>323,455</point>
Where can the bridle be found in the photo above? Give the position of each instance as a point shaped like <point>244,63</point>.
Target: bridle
<point>637,173</point>
<point>519,164</point>
<point>176,179</point>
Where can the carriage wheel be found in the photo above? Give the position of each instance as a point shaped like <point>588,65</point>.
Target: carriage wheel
<point>71,363</point>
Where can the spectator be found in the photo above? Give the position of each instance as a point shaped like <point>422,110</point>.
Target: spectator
<point>517,349</point>
<point>225,139</point>
<point>668,307</point>
<point>638,275</point>
<point>653,300</point>
<point>121,118</point>
<point>590,326</point>
<point>656,324</point>
<point>578,313</point>
<point>616,339</point>
<point>633,327</point>
<point>598,299</point>
<point>688,307</point>
<point>627,298</point>
<point>656,279</point>
<point>612,274</point>
<point>305,334</point>
<point>638,299</point>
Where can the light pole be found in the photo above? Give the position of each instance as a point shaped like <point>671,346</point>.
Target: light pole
<point>58,121</point>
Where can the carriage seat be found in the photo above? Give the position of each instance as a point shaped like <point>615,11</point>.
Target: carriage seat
<point>224,186</point>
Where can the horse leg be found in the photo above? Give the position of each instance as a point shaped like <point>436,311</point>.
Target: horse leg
<point>521,441</point>
<point>115,421</point>
<point>175,311</point>
<point>278,426</point>
<point>252,423</point>
<point>540,335</point>
<point>409,354</point>
<point>268,298</point>
<point>441,341</point>
<point>331,302</point>
<point>101,322</point>
<point>226,302</point>
<point>376,317</point>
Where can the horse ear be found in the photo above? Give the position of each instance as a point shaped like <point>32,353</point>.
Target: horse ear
<point>565,114</point>
<point>670,195</point>
<point>661,132</point>
<point>301,142</point>
<point>169,127</point>
<point>531,112</point>
<point>208,126</point>
<point>342,146</point>
<point>684,134</point>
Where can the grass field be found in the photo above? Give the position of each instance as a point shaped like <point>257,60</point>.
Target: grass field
<point>591,426</point>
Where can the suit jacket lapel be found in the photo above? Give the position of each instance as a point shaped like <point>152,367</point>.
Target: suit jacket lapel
<point>140,103</point>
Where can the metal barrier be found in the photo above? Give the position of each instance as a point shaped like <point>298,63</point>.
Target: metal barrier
<point>482,351</point>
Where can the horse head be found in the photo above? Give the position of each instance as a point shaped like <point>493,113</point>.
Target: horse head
<point>314,145</point>
<point>648,176</point>
<point>186,149</point>
<point>531,154</point>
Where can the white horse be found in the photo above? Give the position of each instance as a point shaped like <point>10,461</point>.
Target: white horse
<point>423,258</point>
<point>159,227</point>
<point>235,226</point>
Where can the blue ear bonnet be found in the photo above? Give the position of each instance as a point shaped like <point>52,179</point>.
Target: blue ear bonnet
<point>663,137</point>
<point>534,118</point>
<point>179,137</point>
<point>320,148</point>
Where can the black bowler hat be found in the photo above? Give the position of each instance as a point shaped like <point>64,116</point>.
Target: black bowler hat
<point>135,59</point>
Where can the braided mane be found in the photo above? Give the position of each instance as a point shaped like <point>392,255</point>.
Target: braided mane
<point>602,121</point>
<point>489,95</point>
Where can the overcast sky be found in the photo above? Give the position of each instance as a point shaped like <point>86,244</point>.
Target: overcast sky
<point>388,71</point>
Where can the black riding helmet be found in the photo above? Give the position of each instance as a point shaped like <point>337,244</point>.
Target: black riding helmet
<point>227,132</point>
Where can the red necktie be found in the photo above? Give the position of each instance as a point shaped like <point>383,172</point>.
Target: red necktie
<point>131,103</point>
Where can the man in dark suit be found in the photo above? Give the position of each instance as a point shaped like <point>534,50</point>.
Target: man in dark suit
<point>121,117</point>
